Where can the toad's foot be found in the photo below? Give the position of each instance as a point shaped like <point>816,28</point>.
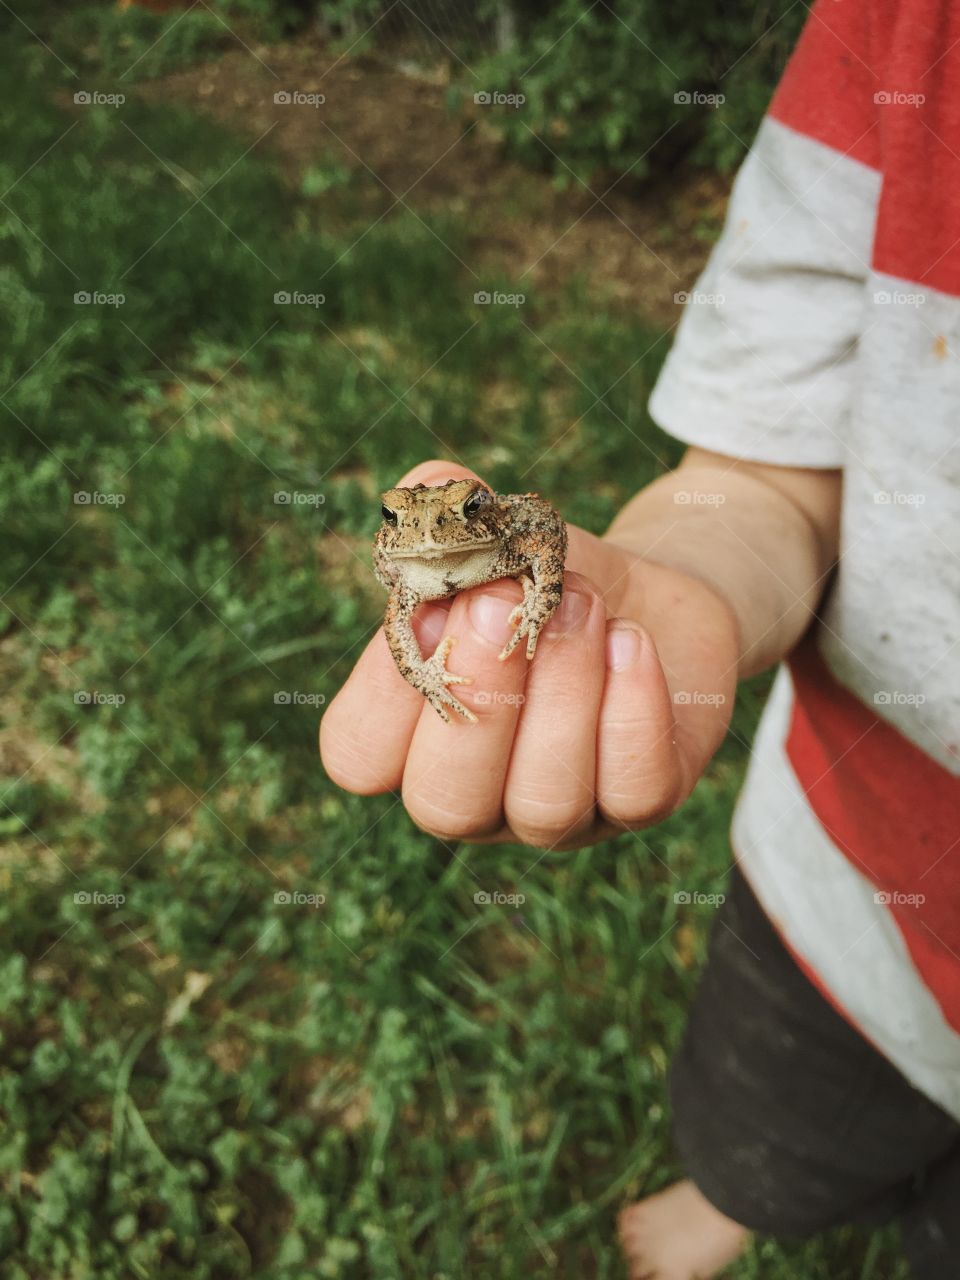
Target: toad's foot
<point>529,618</point>
<point>432,680</point>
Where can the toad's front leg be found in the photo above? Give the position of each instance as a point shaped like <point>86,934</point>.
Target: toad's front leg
<point>541,596</point>
<point>428,676</point>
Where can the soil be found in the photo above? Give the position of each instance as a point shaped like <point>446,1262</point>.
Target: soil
<point>388,119</point>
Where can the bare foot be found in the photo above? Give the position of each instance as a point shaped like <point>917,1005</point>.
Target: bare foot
<point>678,1235</point>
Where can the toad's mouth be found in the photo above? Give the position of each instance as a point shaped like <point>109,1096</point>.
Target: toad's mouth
<point>440,553</point>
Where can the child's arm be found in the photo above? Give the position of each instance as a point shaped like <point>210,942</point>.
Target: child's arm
<point>616,717</point>
<point>764,537</point>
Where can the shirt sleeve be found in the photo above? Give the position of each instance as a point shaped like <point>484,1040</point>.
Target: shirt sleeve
<point>764,362</point>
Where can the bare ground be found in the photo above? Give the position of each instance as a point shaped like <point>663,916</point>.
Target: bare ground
<point>393,129</point>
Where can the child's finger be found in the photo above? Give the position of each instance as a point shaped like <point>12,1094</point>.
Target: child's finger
<point>435,471</point>
<point>549,794</point>
<point>639,773</point>
<point>453,781</point>
<point>366,731</point>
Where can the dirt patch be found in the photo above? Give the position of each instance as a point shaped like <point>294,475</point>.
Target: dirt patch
<point>390,124</point>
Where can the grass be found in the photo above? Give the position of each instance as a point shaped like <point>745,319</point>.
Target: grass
<point>202,1077</point>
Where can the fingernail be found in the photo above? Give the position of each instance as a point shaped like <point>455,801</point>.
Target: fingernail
<point>431,621</point>
<point>624,646</point>
<point>572,614</point>
<point>488,617</point>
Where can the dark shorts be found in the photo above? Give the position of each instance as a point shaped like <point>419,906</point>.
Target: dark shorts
<point>789,1121</point>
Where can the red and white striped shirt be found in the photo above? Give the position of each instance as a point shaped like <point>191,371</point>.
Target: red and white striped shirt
<point>825,332</point>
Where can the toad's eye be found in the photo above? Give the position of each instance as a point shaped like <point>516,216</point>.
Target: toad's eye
<point>389,516</point>
<point>475,502</point>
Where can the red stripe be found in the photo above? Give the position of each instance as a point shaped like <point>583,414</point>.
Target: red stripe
<point>918,221</point>
<point>827,89</point>
<point>878,81</point>
<point>890,808</point>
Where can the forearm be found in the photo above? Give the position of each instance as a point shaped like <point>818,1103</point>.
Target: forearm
<point>763,538</point>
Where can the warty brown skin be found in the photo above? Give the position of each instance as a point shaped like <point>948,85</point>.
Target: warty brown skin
<point>440,539</point>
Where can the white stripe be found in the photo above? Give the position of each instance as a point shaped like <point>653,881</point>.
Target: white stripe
<point>892,623</point>
<point>793,353</point>
<point>764,359</point>
<point>827,912</point>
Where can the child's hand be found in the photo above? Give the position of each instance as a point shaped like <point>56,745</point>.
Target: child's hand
<point>608,727</point>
